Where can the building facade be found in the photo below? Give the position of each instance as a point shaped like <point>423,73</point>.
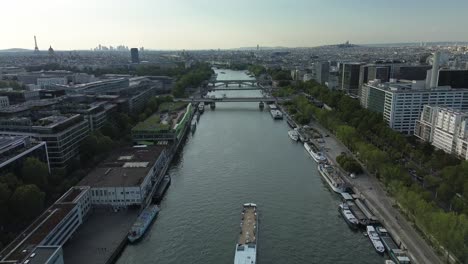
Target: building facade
<point>48,82</point>
<point>4,102</point>
<point>322,71</point>
<point>135,56</point>
<point>62,134</point>
<point>127,177</point>
<point>349,78</point>
<point>14,150</point>
<point>445,129</point>
<point>402,103</point>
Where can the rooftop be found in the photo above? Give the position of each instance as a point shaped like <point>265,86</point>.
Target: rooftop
<point>124,168</point>
<point>171,106</point>
<point>7,141</point>
<point>20,248</point>
<point>152,123</point>
<point>28,105</point>
<point>86,85</point>
<point>27,241</point>
<point>409,86</point>
<point>42,254</point>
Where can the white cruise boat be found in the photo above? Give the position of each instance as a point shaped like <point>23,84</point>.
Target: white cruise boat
<point>246,247</point>
<point>201,107</point>
<point>348,216</point>
<point>330,175</point>
<point>315,153</point>
<point>276,114</point>
<point>375,239</point>
<point>293,135</point>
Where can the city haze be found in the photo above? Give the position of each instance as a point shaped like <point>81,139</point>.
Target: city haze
<point>207,24</point>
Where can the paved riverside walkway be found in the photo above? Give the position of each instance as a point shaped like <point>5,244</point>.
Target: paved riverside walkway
<point>381,204</point>
<point>99,237</point>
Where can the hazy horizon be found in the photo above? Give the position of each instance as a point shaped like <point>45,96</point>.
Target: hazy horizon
<point>207,24</point>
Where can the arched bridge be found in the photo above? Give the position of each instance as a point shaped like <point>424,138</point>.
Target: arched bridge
<point>233,99</point>
<point>226,83</point>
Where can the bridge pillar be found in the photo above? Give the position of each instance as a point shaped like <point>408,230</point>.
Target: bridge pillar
<point>227,84</point>
<point>213,106</point>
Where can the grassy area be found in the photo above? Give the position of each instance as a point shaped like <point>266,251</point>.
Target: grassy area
<point>171,106</point>
<point>152,123</point>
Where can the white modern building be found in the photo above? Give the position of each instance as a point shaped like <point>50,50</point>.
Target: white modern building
<point>4,102</point>
<point>47,82</point>
<point>42,241</point>
<point>445,129</point>
<point>126,177</point>
<point>401,103</point>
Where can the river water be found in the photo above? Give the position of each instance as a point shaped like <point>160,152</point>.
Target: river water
<point>239,154</point>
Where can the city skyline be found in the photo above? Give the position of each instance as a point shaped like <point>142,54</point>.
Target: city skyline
<point>183,24</point>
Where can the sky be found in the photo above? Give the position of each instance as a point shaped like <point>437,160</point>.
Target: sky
<point>213,24</point>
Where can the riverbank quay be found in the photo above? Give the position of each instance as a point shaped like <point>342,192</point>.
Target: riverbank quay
<point>383,206</point>
<point>101,238</point>
<point>103,235</point>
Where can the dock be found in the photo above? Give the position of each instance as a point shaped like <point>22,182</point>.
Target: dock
<point>161,190</point>
<point>367,212</point>
<point>360,216</point>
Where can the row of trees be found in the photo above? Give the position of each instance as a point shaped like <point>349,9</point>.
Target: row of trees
<point>22,196</point>
<point>430,186</point>
<point>256,70</point>
<point>193,78</point>
<point>349,164</point>
<point>11,84</point>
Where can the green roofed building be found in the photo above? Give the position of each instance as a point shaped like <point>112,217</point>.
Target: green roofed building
<point>166,125</point>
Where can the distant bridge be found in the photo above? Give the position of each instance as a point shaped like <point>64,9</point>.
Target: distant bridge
<point>215,82</point>
<point>241,89</point>
<point>233,99</point>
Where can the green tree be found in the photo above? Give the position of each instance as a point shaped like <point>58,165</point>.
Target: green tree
<point>110,130</point>
<point>5,194</point>
<point>88,148</point>
<point>10,180</point>
<point>27,202</point>
<point>35,172</point>
<point>142,117</point>
<point>104,145</point>
<point>444,192</point>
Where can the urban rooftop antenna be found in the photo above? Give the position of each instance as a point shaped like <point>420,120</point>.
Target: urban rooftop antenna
<point>36,49</point>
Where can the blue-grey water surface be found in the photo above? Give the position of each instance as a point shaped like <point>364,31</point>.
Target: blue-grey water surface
<point>240,154</point>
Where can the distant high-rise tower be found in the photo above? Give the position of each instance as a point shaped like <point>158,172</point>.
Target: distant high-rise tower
<point>51,51</point>
<point>258,47</point>
<point>135,56</point>
<point>36,49</point>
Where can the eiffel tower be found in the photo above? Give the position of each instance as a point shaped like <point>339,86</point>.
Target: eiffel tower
<point>36,49</point>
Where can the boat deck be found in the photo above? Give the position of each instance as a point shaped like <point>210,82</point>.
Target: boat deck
<point>248,226</point>
<point>334,174</point>
<point>363,220</point>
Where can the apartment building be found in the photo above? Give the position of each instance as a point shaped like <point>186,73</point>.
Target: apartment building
<point>61,132</point>
<point>445,129</point>
<point>401,103</point>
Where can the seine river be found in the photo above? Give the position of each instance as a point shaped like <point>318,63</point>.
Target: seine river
<point>239,154</point>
